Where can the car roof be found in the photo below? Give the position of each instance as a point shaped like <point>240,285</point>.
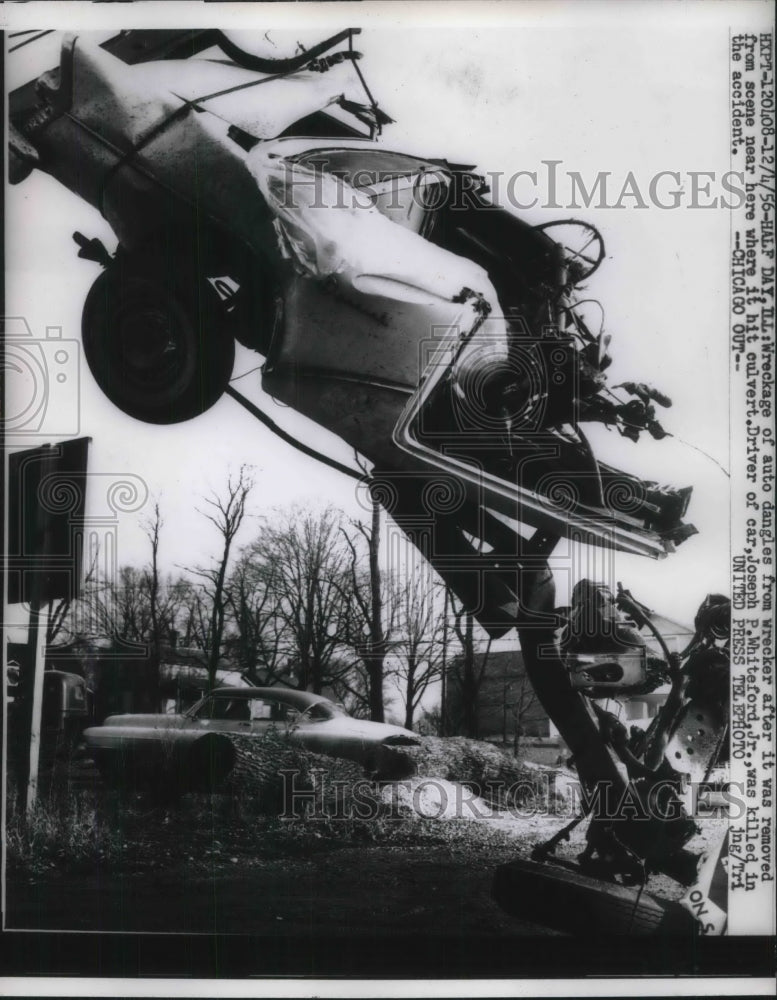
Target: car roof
<point>289,696</point>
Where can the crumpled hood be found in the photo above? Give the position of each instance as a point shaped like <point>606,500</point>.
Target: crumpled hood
<point>327,227</point>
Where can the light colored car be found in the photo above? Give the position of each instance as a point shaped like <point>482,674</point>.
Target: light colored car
<point>199,740</point>
<point>393,302</point>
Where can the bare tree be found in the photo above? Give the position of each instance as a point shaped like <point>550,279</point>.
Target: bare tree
<point>521,702</point>
<point>259,631</point>
<point>66,616</point>
<point>468,669</point>
<point>93,612</point>
<point>196,618</point>
<point>418,649</point>
<point>304,558</point>
<point>226,513</point>
<point>369,619</point>
<point>152,528</point>
<point>348,686</point>
<point>174,598</point>
<point>123,606</point>
<point>57,620</point>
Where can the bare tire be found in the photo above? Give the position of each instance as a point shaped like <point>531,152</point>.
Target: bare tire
<point>573,902</point>
<point>156,347</point>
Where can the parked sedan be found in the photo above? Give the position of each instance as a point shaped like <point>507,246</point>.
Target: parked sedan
<point>199,740</point>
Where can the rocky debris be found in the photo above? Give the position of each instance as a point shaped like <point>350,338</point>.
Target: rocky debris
<point>434,798</point>
<point>497,776</point>
<point>460,759</point>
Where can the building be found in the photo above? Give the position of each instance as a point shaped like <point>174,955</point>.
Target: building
<point>506,705</point>
<point>121,676</point>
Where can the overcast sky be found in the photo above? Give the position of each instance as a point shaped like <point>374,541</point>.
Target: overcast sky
<point>636,96</point>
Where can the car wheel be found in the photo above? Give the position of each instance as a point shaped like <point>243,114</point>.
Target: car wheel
<point>156,348</point>
<point>570,901</point>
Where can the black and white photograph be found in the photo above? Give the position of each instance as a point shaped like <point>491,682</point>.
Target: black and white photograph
<point>389,493</point>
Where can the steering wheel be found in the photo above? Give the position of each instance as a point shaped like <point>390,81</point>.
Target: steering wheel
<point>582,244</point>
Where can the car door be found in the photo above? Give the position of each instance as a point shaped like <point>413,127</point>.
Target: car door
<point>225,712</point>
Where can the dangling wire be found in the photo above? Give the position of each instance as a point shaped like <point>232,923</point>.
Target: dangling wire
<point>701,452</point>
<point>376,129</point>
<point>622,402</point>
<point>236,378</point>
<point>643,875</point>
<point>270,424</point>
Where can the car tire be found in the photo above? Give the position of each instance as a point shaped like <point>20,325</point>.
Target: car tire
<point>156,347</point>
<point>570,901</point>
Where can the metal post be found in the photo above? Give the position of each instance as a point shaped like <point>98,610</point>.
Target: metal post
<point>46,562</point>
<point>36,640</point>
<point>36,650</point>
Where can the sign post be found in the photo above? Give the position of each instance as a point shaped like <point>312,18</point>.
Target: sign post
<point>46,500</point>
<point>36,653</point>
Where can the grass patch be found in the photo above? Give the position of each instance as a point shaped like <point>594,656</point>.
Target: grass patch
<point>251,822</point>
<point>63,830</point>
<point>204,834</point>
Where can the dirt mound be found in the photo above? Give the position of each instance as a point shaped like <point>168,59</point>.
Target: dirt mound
<point>497,776</point>
<point>269,770</point>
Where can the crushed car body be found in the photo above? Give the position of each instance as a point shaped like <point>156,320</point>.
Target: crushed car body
<point>435,332</point>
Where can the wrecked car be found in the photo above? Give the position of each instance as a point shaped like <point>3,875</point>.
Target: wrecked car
<point>392,302</point>
<point>199,740</point>
<point>442,337</point>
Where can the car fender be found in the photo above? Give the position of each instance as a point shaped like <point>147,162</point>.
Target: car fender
<point>185,755</point>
